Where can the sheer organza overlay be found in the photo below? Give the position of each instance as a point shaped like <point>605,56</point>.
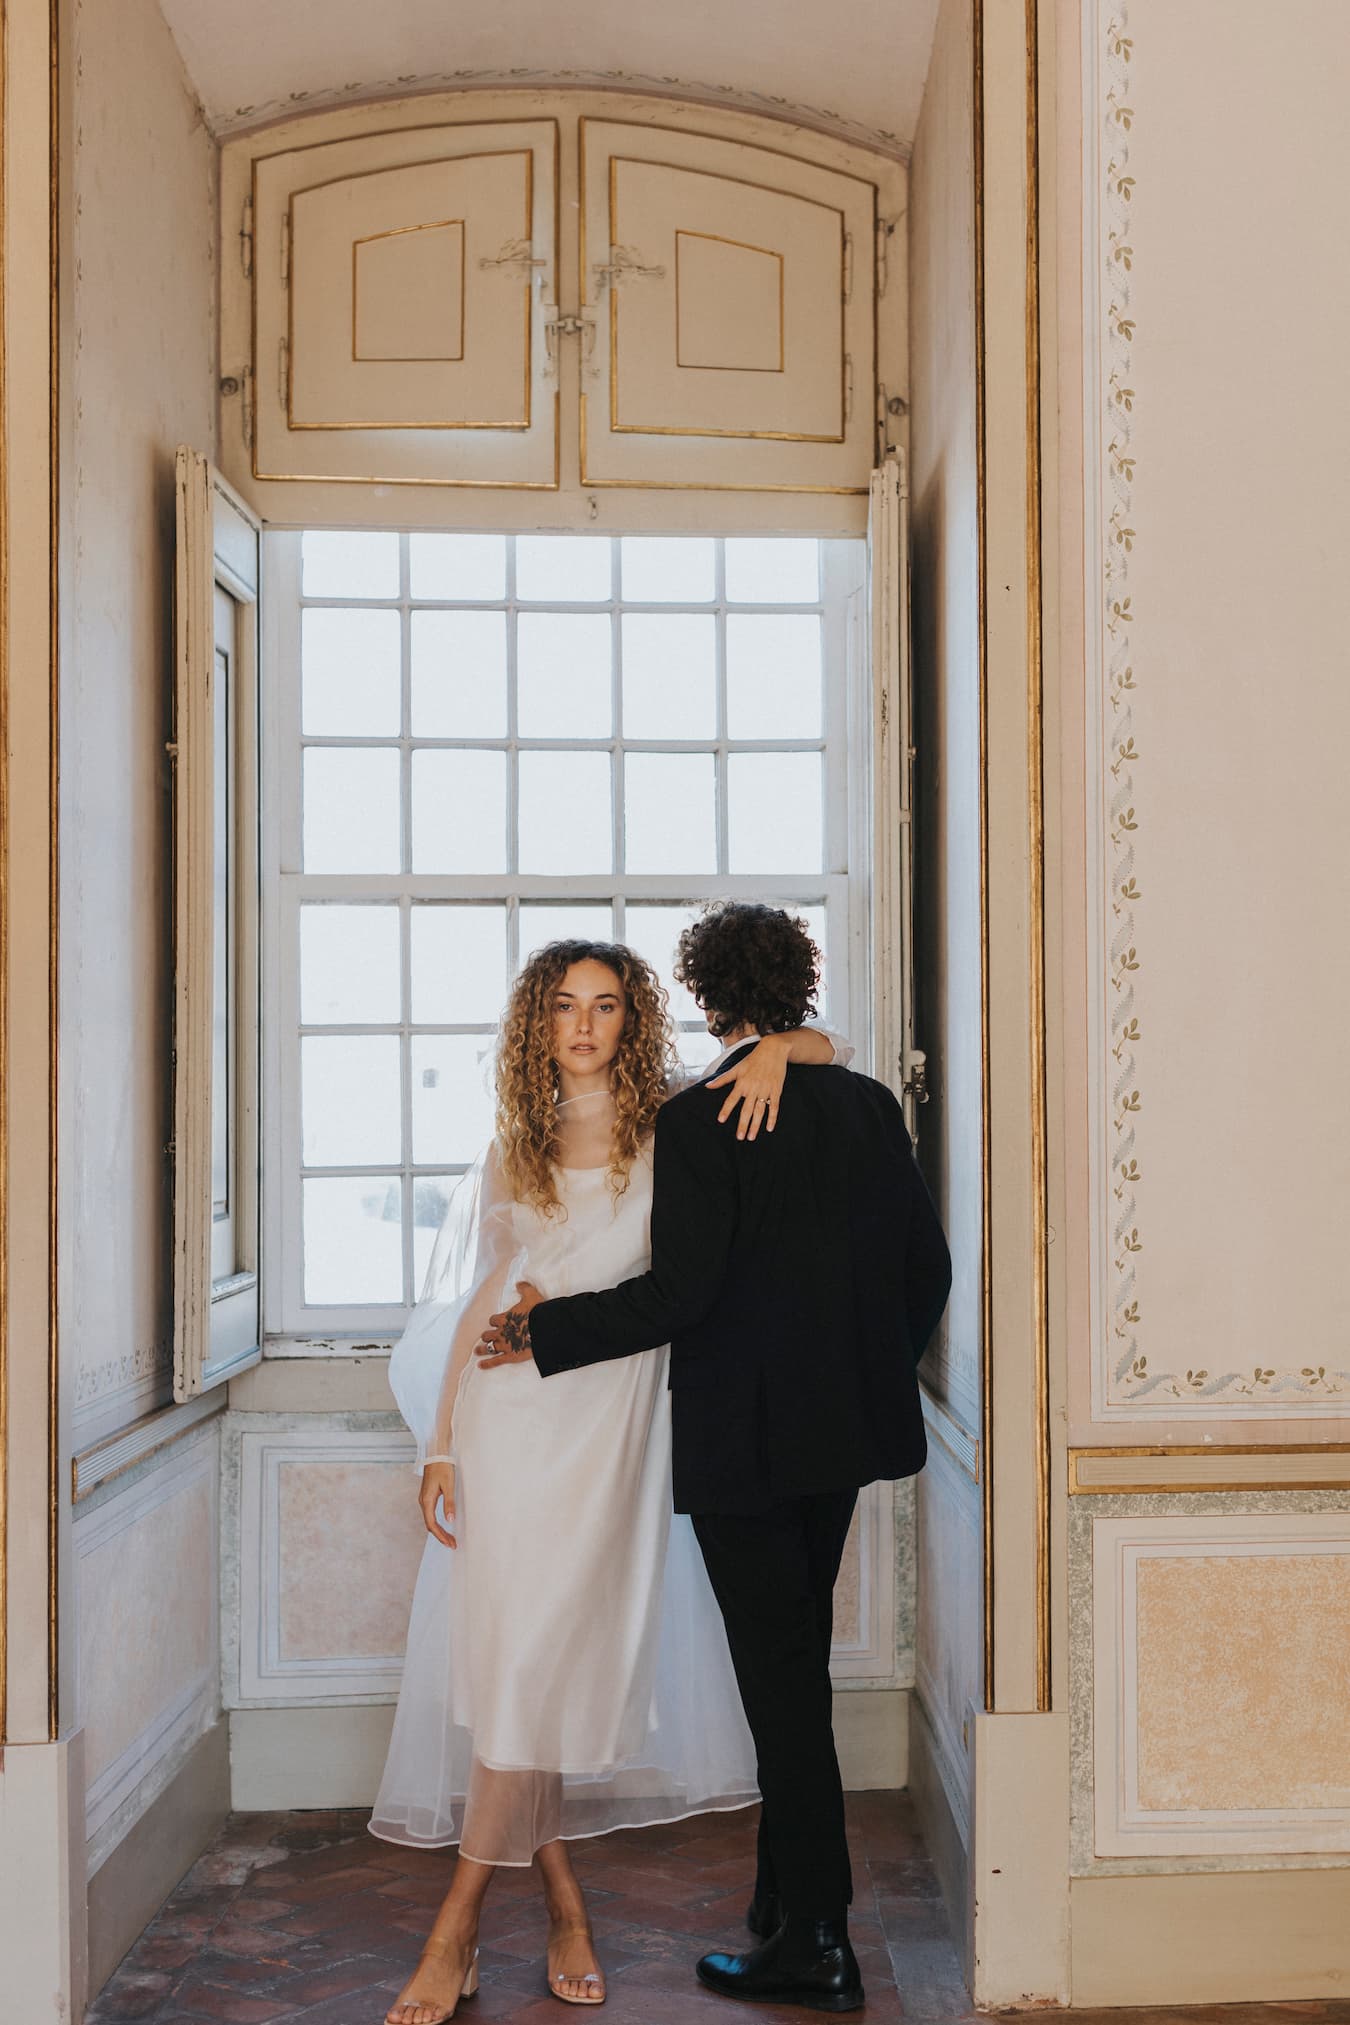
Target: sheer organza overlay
<point>567,1671</point>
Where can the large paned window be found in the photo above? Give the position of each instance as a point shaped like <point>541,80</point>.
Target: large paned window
<point>478,743</point>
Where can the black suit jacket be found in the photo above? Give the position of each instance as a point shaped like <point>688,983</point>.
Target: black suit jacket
<point>796,1278</point>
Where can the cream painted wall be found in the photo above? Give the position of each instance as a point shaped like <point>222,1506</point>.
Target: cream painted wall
<point>946,680</point>
<point>1201,476</point>
<point>947,952</point>
<point>138,335</point>
<point>1217,482</point>
<point>139,342</point>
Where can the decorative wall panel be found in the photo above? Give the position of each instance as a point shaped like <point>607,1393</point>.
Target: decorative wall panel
<point>323,1540</point>
<point>1218,717</point>
<point>330,1538</point>
<point>1221,1657</point>
<point>146,1618</point>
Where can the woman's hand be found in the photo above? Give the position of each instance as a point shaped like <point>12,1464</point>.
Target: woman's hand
<point>438,1487</point>
<point>756,1084</point>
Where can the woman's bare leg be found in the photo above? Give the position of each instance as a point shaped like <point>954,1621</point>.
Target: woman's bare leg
<point>433,1990</point>
<point>573,1970</point>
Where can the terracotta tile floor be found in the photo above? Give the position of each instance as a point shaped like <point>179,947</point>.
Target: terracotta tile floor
<point>306,1916</point>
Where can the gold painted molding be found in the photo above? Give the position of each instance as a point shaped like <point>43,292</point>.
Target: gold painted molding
<point>1209,1466</point>
<point>53,846</point>
<point>986,1126</point>
<point>4,871</point>
<point>1040,1207</point>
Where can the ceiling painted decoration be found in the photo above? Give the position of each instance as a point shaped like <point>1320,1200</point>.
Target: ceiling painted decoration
<point>854,67</point>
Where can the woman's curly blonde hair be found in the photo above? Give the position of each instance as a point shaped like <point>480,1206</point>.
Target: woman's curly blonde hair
<point>527,1074</point>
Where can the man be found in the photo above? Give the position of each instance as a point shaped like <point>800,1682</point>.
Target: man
<point>797,1276</point>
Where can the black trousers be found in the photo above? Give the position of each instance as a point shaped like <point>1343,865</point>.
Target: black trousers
<point>773,1576</point>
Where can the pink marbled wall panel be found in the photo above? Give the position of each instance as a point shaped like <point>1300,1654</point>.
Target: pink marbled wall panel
<point>1244,1681</point>
<point>351,1538</point>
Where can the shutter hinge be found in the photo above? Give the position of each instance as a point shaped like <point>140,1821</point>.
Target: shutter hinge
<point>625,264</point>
<point>889,407</point>
<point>246,239</point>
<point>848,267</point>
<point>246,407</point>
<point>284,375</point>
<point>515,253</point>
<point>914,1076</point>
<point>848,387</point>
<point>885,234</point>
<point>286,247</point>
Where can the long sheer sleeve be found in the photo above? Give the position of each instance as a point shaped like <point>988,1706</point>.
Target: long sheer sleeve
<point>844,1049</point>
<point>469,1278</point>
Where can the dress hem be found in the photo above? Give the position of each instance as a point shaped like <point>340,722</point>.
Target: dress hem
<point>586,1835</point>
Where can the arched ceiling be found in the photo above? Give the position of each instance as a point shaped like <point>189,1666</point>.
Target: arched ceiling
<point>851,67</point>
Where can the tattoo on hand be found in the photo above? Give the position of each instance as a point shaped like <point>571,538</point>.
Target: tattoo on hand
<point>516,1332</point>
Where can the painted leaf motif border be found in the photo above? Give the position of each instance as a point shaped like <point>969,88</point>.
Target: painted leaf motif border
<point>1134,1383</point>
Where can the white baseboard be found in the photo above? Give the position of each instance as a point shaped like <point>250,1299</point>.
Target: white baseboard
<point>134,1880</point>
<point>935,1787</point>
<point>333,1757</point>
<point>1235,1937</point>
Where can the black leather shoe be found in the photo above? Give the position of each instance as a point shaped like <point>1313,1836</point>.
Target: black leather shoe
<point>807,1962</point>
<point>765,1913</point>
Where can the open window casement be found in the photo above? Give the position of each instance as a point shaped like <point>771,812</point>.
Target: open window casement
<point>215,847</point>
<point>896,1061</point>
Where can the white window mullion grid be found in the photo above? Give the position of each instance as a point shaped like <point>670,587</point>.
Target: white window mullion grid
<point>290,1322</point>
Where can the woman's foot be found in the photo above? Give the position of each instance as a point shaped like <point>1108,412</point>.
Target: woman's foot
<point>573,1972</point>
<point>434,1990</point>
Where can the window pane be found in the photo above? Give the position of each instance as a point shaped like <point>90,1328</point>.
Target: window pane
<point>353,1239</point>
<point>653,932</point>
<point>351,809</point>
<point>670,812</point>
<point>669,675</point>
<point>696,1050</point>
<point>541,924</point>
<point>772,570</point>
<point>458,964</point>
<point>563,568</point>
<point>564,675</point>
<point>349,1100</point>
<point>342,563</point>
<point>814,918</point>
<point>349,663</point>
<point>459,811</point>
<point>773,675</point>
<point>452,1095</point>
<point>349,967</point>
<point>668,569</point>
<point>773,812</point>
<point>431,1200</point>
<point>459,674</point>
<point>457,567</point>
<point>566,822</point>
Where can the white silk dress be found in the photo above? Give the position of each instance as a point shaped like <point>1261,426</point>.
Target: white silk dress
<point>567,1670</point>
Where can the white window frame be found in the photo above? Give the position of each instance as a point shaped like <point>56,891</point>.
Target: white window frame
<point>294,1329</point>
<point>216,903</point>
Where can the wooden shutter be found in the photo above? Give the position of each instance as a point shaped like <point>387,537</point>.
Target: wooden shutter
<point>730,291</point>
<point>401,284</point>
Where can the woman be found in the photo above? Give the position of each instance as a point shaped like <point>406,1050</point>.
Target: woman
<point>566,1670</point>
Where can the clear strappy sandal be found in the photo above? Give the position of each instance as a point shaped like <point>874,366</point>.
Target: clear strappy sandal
<point>468,1988</point>
<point>592,1977</point>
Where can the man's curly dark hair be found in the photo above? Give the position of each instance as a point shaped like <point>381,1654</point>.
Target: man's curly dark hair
<point>749,965</point>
